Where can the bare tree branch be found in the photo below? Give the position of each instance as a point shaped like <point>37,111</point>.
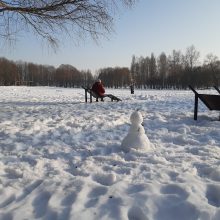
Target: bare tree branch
<point>51,18</point>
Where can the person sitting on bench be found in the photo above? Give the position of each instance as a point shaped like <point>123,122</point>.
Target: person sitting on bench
<point>99,89</point>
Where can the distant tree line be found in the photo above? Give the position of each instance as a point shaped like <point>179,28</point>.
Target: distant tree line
<point>175,71</point>
<point>115,77</point>
<point>24,73</point>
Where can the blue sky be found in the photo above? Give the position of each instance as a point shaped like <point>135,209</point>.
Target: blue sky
<point>151,26</point>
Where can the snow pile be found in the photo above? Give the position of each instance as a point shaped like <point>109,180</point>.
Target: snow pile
<point>61,158</point>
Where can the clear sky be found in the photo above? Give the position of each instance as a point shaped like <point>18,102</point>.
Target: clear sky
<point>151,26</point>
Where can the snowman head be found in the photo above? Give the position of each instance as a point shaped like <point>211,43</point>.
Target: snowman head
<point>136,118</point>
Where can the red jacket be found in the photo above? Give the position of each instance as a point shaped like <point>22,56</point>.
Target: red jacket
<point>98,88</point>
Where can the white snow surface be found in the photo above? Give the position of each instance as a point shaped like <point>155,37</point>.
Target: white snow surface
<point>61,158</point>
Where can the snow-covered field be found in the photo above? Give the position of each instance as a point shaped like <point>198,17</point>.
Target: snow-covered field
<point>61,158</point>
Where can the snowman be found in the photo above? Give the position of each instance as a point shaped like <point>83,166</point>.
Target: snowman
<point>136,137</point>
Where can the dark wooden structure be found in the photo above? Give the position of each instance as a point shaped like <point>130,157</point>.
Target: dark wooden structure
<point>212,102</point>
<point>97,97</point>
<point>132,88</point>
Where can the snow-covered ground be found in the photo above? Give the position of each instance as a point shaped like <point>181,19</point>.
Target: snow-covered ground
<point>61,158</point>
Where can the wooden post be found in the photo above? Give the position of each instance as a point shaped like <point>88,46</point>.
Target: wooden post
<point>90,97</point>
<point>85,95</point>
<point>132,88</point>
<point>216,87</point>
<point>196,107</point>
<point>196,102</point>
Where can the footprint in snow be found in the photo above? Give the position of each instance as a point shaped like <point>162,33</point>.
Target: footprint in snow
<point>69,199</point>
<point>29,189</point>
<point>136,213</point>
<point>105,179</point>
<point>172,204</point>
<point>94,196</point>
<point>174,190</point>
<point>136,188</point>
<point>67,203</point>
<point>98,191</point>
<point>40,204</point>
<point>213,195</point>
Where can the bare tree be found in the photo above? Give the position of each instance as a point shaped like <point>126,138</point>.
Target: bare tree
<point>175,68</point>
<point>8,72</point>
<point>162,67</point>
<point>50,18</point>
<point>191,57</point>
<point>213,63</point>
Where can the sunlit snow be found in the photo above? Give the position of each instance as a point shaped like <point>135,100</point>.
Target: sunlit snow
<point>61,158</point>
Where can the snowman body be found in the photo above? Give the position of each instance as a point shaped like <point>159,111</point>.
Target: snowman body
<point>136,137</point>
